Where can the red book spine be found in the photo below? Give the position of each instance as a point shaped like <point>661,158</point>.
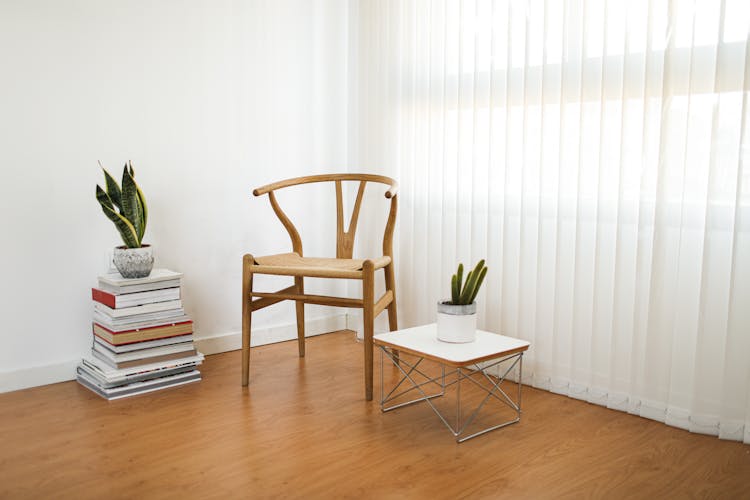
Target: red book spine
<point>103,297</point>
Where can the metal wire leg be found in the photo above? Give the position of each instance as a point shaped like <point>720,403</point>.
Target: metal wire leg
<point>494,391</point>
<point>399,362</point>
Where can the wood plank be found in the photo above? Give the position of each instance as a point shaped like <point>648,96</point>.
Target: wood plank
<point>303,430</point>
<point>308,272</point>
<point>392,190</point>
<point>269,299</point>
<point>323,300</point>
<point>383,302</point>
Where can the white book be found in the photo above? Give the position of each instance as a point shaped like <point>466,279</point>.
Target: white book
<point>115,279</point>
<point>144,353</point>
<point>136,388</point>
<point>143,287</point>
<point>101,381</point>
<point>112,374</point>
<point>137,298</point>
<point>136,310</point>
<point>118,349</point>
<point>160,318</point>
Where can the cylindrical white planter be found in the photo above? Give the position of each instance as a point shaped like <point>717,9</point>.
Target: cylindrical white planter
<point>134,262</point>
<point>456,324</point>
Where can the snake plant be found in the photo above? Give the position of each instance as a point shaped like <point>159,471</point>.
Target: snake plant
<point>463,295</point>
<point>125,207</point>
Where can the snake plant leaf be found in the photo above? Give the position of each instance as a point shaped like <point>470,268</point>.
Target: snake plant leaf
<point>126,229</point>
<point>103,198</point>
<point>459,276</point>
<point>454,289</point>
<point>113,189</point>
<point>131,205</point>
<point>142,199</point>
<point>144,211</point>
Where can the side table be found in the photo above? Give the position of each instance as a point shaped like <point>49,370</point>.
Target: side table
<point>464,362</point>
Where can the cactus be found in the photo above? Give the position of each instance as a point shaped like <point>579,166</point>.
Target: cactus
<point>132,214</point>
<point>474,279</point>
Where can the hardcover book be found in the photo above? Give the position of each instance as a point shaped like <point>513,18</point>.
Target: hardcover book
<point>140,361</point>
<point>157,275</point>
<point>136,388</point>
<point>144,353</point>
<point>146,344</point>
<point>108,374</point>
<point>171,316</point>
<point>143,287</point>
<point>103,382</point>
<point>135,299</point>
<point>136,310</point>
<point>152,333</point>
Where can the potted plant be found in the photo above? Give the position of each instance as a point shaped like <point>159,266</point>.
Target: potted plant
<point>457,318</point>
<point>126,208</point>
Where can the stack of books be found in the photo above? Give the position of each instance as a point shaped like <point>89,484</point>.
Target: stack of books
<point>143,340</point>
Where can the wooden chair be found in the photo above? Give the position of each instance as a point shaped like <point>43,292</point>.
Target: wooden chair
<point>343,266</point>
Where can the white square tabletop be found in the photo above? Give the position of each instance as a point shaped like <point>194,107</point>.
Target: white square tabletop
<point>422,341</point>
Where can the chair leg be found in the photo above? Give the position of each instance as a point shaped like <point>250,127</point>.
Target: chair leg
<point>247,312</point>
<point>299,283</point>
<point>390,284</point>
<point>368,313</point>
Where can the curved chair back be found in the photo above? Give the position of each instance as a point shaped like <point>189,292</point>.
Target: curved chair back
<point>344,238</point>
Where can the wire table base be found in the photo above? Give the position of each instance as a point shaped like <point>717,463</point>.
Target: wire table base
<point>410,371</point>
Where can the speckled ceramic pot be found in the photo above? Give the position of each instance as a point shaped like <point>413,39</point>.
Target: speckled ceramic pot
<point>134,262</point>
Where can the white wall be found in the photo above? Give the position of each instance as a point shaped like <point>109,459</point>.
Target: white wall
<point>208,99</point>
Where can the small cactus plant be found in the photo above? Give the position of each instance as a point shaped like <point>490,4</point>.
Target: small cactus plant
<point>465,293</point>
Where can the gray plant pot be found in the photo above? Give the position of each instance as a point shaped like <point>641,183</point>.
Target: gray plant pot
<point>134,262</point>
<point>456,324</point>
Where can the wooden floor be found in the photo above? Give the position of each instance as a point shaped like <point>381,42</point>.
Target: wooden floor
<point>304,430</point>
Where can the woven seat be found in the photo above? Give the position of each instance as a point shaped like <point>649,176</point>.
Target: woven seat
<point>343,267</point>
<point>292,264</point>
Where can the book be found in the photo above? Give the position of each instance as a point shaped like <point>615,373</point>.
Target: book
<point>146,344</point>
<point>136,388</point>
<point>139,362</point>
<point>157,275</point>
<point>142,338</point>
<point>136,310</point>
<point>143,287</point>
<point>150,353</point>
<point>100,380</point>
<point>171,316</point>
<point>152,333</point>
<point>135,299</point>
<point>108,374</point>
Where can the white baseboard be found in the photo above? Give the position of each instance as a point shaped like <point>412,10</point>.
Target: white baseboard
<point>232,341</point>
<point>211,344</point>
<point>38,375</point>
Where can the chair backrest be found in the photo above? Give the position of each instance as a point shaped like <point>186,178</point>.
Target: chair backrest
<point>344,238</point>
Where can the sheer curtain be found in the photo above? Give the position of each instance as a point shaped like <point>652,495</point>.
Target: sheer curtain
<point>596,154</point>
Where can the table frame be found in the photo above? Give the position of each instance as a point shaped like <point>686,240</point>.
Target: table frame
<point>465,372</point>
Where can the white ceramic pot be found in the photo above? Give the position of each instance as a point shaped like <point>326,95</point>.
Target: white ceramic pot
<point>134,262</point>
<point>456,324</point>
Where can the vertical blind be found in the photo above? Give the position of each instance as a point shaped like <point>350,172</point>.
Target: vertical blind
<point>595,153</point>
